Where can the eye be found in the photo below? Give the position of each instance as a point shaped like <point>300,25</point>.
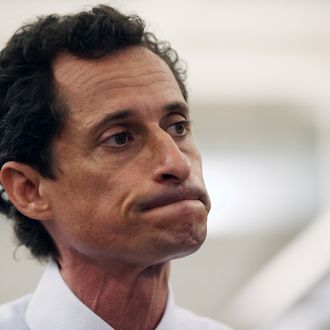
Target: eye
<point>178,129</point>
<point>118,140</point>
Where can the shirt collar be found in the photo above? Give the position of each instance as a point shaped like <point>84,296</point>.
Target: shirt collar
<point>53,306</point>
<point>169,319</point>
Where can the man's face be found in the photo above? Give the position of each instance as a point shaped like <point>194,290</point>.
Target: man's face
<point>129,181</point>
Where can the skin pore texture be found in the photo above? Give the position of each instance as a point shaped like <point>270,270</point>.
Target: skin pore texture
<point>129,194</point>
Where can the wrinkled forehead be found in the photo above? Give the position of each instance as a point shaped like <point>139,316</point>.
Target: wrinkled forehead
<point>134,78</point>
<point>72,74</point>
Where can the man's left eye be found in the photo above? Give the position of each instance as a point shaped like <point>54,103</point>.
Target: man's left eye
<point>178,129</point>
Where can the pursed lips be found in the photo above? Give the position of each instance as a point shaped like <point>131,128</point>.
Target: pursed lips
<point>175,195</point>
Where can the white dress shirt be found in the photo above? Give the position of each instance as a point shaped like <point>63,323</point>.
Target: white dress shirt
<point>53,306</point>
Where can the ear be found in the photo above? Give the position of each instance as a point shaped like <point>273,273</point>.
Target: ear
<point>22,184</point>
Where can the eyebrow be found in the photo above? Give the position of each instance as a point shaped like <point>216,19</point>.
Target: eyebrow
<point>177,106</point>
<point>110,118</point>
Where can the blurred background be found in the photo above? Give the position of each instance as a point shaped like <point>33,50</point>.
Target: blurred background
<point>259,78</point>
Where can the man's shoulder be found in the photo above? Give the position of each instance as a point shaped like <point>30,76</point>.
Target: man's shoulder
<point>12,314</point>
<point>189,320</point>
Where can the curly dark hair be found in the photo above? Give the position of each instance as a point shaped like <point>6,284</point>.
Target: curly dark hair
<point>31,114</point>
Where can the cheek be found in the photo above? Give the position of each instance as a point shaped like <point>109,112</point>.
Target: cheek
<point>91,197</point>
<point>87,219</point>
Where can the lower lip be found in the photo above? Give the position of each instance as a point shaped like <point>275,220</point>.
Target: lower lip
<point>183,204</point>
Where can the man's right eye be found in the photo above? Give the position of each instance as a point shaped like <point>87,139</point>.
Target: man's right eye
<point>117,140</point>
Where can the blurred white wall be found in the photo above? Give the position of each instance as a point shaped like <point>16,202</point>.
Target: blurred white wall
<point>259,76</point>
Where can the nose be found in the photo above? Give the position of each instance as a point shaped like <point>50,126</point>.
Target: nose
<point>172,165</point>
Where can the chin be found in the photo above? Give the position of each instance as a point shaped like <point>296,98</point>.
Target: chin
<point>192,245</point>
<point>186,243</point>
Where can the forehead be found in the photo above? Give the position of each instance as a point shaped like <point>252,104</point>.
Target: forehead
<point>127,70</point>
<point>134,78</point>
<point>67,68</point>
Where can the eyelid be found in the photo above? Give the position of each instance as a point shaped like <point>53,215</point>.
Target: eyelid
<point>182,114</point>
<point>174,116</point>
<point>112,131</point>
<point>185,122</point>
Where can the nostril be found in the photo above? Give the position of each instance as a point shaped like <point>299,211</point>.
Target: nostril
<point>169,177</point>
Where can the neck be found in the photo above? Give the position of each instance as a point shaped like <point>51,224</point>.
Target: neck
<point>117,291</point>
